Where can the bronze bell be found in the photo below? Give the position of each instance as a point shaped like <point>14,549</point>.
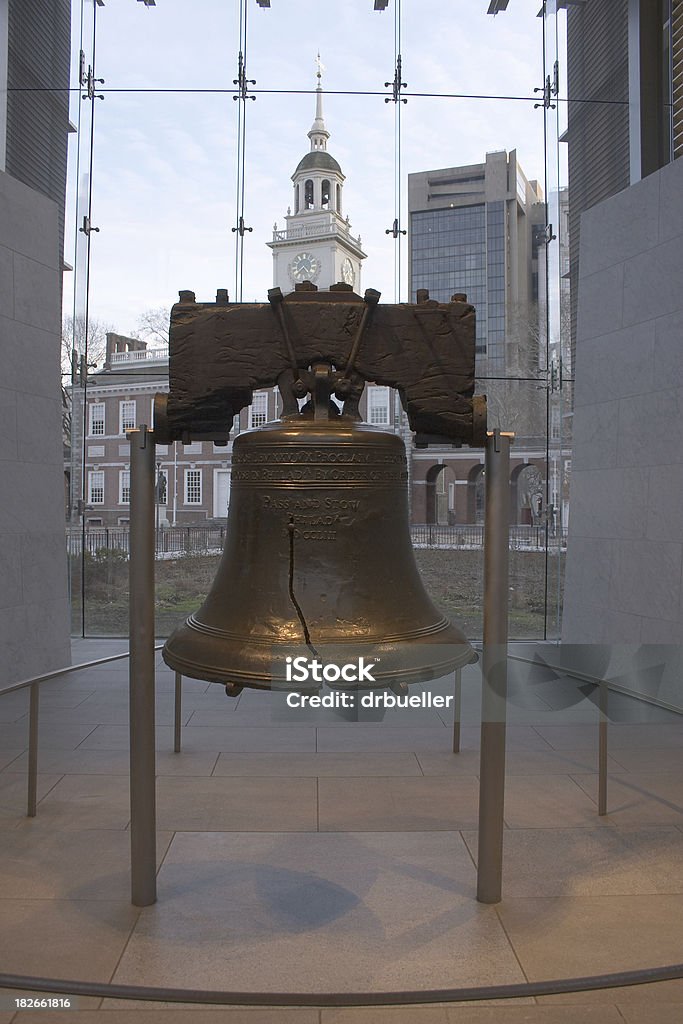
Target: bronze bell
<point>318,562</point>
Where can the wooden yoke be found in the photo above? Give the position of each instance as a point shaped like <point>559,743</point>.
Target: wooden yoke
<point>221,352</point>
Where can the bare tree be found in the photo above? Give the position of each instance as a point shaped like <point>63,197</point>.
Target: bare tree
<point>153,325</point>
<point>75,336</point>
<point>74,340</point>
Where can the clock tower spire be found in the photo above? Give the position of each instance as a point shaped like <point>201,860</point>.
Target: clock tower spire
<point>316,244</point>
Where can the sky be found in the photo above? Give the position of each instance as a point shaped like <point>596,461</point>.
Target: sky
<point>165,153</point>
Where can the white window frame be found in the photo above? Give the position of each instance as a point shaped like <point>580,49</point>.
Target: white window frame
<point>193,448</point>
<point>95,486</point>
<point>197,474</point>
<point>93,422</point>
<point>124,487</point>
<point>220,513</point>
<point>258,410</point>
<point>124,409</point>
<point>379,405</point>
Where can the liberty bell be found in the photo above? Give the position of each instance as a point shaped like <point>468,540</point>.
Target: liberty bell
<point>318,560</point>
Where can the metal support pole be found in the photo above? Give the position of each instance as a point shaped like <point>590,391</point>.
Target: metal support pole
<point>177,711</point>
<point>494,668</point>
<point>142,739</point>
<point>457,710</point>
<point>34,700</point>
<point>602,750</point>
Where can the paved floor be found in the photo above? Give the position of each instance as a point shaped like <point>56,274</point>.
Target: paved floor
<point>303,851</point>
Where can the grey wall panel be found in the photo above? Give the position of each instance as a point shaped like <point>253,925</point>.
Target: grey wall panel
<point>35,619</point>
<point>38,48</point>
<point>625,551</point>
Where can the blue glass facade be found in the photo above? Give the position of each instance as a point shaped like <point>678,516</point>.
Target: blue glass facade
<point>495,288</point>
<point>462,249</point>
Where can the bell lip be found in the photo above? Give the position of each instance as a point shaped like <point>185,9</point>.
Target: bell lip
<point>441,626</point>
<point>209,671</point>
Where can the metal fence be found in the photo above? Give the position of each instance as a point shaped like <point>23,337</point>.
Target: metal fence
<point>201,540</point>
<point>471,535</point>
<point>172,540</point>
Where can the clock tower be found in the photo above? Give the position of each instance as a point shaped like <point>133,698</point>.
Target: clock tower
<point>316,244</point>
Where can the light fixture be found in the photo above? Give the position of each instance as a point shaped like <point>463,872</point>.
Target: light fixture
<point>496,6</point>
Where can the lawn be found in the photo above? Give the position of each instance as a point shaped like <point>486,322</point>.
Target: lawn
<point>453,578</point>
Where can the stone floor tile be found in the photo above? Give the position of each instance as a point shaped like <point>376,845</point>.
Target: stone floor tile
<point>518,762</point>
<point>555,762</point>
<point>636,995</point>
<point>639,798</point>
<point>549,801</point>
<point>117,762</point>
<point>219,804</point>
<point>62,865</point>
<point>620,736</point>
<point>589,862</point>
<point>14,795</point>
<point>568,737</point>
<point>575,936</point>
<point>82,802</point>
<point>344,764</point>
<point>13,707</point>
<point>9,758</point>
<point>659,1013</point>
<point>321,912</point>
<point>64,938</point>
<point>342,718</point>
<point>60,695</point>
<point>445,762</point>
<point>385,805</point>
<point>384,1015</point>
<point>371,738</point>
<point>116,1011</point>
<point>94,715</point>
<point>215,738</point>
<point>649,759</point>
<point>584,1014</point>
<point>517,737</point>
<point>65,736</point>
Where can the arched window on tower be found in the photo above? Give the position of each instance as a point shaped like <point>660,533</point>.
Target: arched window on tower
<point>325,195</point>
<point>308,195</point>
<point>296,199</point>
<point>338,199</point>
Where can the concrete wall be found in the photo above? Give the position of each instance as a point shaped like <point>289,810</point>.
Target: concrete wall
<point>34,611</point>
<point>625,554</point>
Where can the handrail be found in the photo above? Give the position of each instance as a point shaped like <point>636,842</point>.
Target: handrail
<point>33,709</point>
<point>517,990</point>
<point>584,677</point>
<point>65,671</point>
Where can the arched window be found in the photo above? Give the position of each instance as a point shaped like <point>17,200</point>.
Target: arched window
<point>338,199</point>
<point>308,195</point>
<point>296,199</point>
<point>325,195</point>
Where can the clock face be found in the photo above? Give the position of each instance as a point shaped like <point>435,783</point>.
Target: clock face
<point>305,267</point>
<point>348,274</point>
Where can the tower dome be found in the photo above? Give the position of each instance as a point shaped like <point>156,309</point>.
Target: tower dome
<point>317,244</point>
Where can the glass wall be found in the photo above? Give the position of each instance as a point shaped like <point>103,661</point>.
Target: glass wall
<point>189,129</point>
